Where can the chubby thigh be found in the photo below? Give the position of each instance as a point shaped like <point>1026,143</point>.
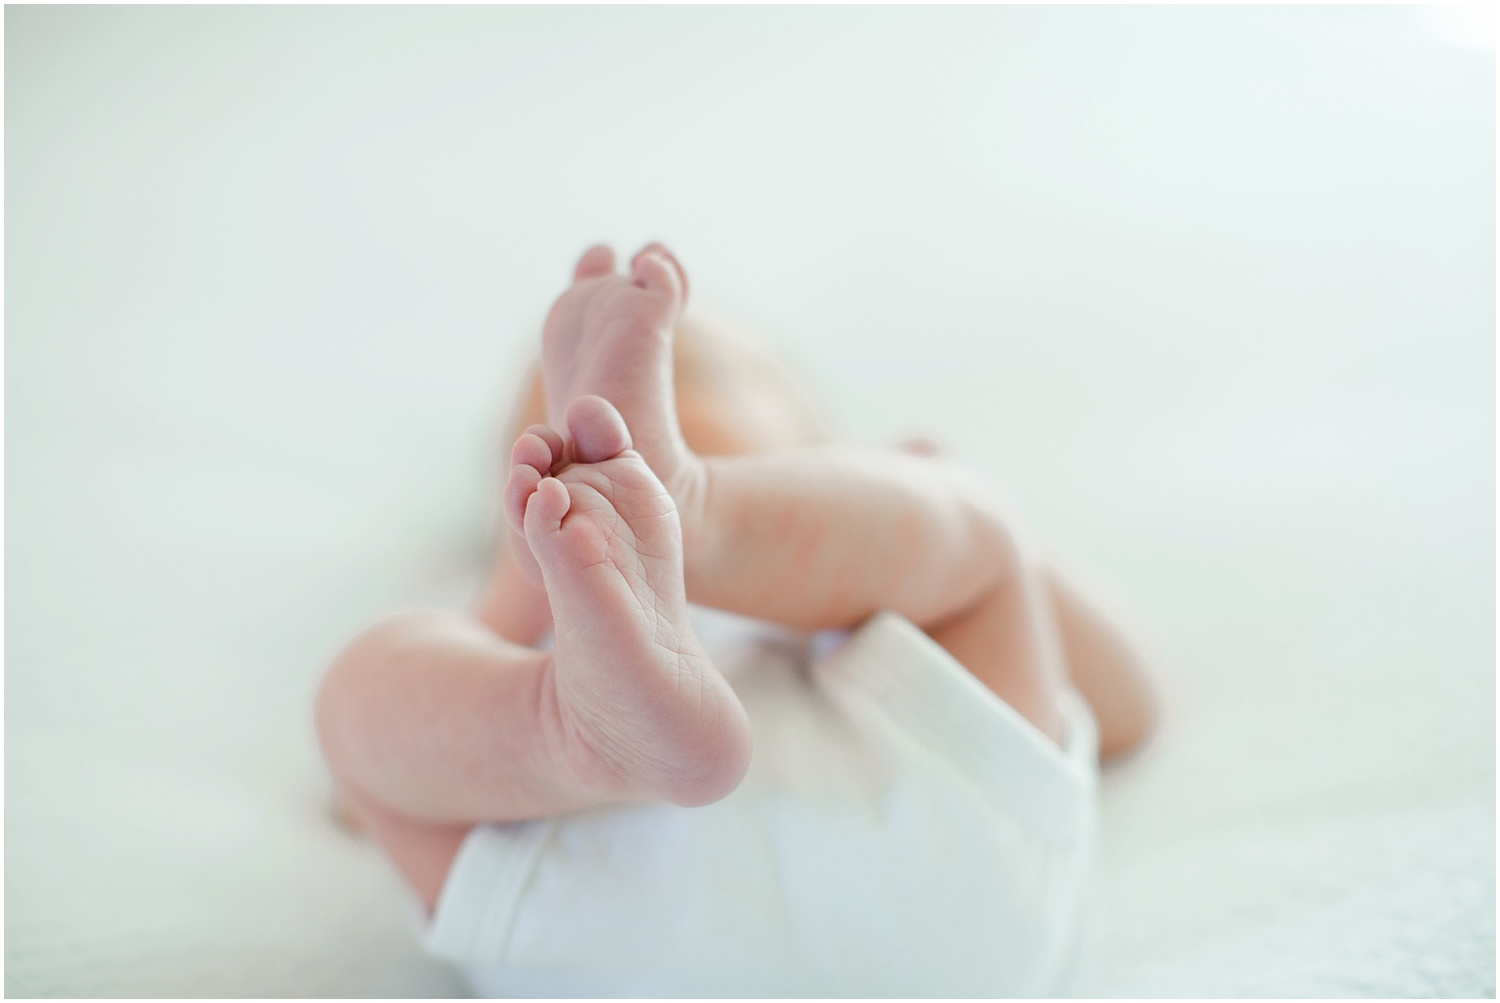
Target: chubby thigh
<point>901,832</point>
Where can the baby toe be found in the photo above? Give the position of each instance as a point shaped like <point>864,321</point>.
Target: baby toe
<point>554,440</point>
<point>655,274</point>
<point>532,450</point>
<point>596,261</point>
<point>656,247</point>
<point>597,430</point>
<point>545,510</point>
<point>522,484</point>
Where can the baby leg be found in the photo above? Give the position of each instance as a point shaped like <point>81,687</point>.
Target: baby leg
<point>436,718</point>
<point>812,538</point>
<point>827,537</point>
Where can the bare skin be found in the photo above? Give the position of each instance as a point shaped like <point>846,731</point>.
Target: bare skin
<point>432,722</point>
<point>640,709</point>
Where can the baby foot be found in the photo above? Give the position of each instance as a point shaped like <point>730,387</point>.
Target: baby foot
<point>611,335</point>
<point>642,710</point>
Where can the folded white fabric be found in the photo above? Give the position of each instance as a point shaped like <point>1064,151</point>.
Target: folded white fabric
<point>901,832</point>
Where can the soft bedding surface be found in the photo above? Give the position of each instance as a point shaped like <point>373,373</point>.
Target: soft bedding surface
<point>1210,290</point>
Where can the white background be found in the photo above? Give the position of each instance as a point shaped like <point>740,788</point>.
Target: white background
<point>1210,289</point>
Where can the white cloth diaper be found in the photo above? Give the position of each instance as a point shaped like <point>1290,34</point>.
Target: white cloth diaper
<point>901,832</point>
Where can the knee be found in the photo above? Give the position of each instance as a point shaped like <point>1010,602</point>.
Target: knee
<point>993,530</point>
<point>351,685</point>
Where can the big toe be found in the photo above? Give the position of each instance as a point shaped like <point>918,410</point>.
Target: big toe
<point>596,261</point>
<point>598,431</point>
